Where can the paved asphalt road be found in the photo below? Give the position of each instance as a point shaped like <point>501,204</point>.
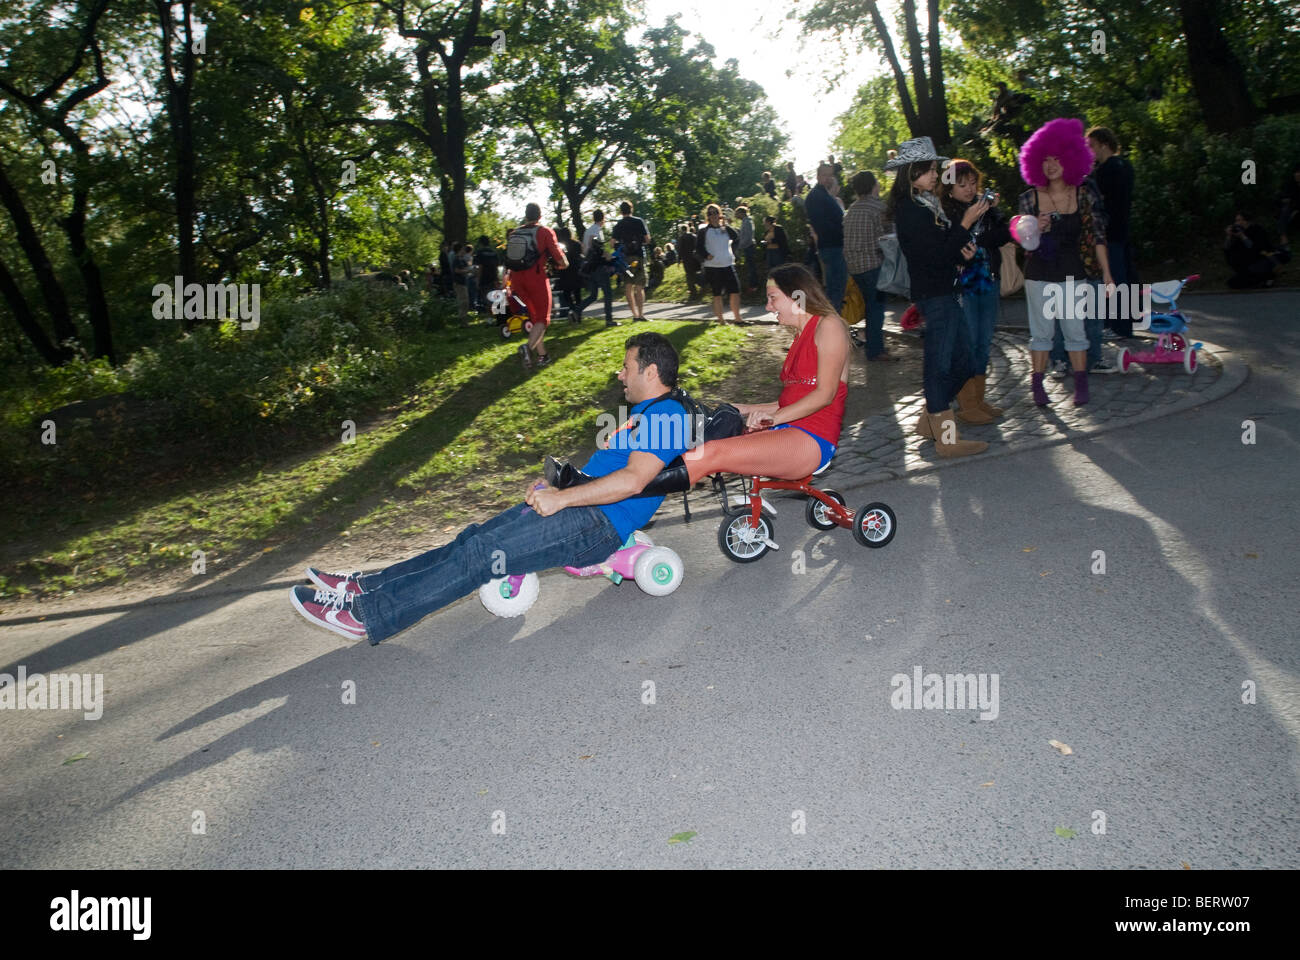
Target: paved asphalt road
<point>772,688</point>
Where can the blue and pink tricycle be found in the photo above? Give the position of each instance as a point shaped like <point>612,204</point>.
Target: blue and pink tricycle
<point>1170,327</point>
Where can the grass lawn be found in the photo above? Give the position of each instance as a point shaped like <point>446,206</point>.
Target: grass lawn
<point>464,444</point>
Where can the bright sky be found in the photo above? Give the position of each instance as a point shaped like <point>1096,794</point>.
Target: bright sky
<point>766,45</point>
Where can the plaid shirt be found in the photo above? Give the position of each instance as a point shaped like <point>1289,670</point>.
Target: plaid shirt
<point>863,225</point>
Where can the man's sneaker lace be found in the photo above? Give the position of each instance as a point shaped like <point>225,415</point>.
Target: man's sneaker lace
<point>329,609</point>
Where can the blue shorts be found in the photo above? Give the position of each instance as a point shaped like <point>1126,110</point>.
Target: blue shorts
<point>827,448</point>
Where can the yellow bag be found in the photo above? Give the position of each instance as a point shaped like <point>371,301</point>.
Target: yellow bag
<point>855,308</point>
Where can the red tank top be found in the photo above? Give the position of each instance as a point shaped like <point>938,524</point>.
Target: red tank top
<point>799,374</point>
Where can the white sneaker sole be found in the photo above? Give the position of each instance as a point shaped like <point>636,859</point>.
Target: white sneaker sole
<point>341,630</point>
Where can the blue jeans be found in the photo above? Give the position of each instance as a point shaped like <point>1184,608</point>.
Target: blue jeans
<point>981,310</point>
<point>835,273</point>
<point>516,540</point>
<point>947,362</point>
<point>1092,326</point>
<point>875,309</point>
<point>596,281</point>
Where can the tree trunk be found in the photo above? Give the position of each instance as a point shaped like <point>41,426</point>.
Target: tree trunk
<point>74,225</point>
<point>13,294</point>
<point>938,105</point>
<point>916,60</point>
<point>1217,77</point>
<point>900,78</point>
<point>180,120</point>
<point>30,242</point>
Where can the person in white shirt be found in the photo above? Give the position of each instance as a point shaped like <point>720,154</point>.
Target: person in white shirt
<point>716,241</point>
<point>594,232</point>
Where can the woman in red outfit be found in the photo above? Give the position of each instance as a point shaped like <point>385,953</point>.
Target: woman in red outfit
<point>797,434</point>
<point>793,437</point>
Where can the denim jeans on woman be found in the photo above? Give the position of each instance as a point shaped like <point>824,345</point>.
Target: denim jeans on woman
<point>517,540</point>
<point>874,301</point>
<point>1042,327</point>
<point>947,363</point>
<point>1092,327</point>
<point>981,312</point>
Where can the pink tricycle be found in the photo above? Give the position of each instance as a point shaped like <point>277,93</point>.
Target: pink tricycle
<point>656,570</point>
<point>1170,328</point>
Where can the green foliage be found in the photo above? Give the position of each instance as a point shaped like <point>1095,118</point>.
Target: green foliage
<point>1192,186</point>
<point>326,355</point>
<point>1188,181</point>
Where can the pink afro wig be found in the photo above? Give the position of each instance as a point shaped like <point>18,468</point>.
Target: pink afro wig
<point>1061,138</point>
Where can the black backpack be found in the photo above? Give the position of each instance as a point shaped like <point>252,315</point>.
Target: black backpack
<point>706,422</point>
<point>521,248</point>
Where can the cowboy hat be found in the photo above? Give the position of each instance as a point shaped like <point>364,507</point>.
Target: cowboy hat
<point>919,150</point>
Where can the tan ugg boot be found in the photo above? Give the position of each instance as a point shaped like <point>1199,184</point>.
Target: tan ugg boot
<point>922,428</point>
<point>946,441</point>
<point>984,405</point>
<point>968,398</point>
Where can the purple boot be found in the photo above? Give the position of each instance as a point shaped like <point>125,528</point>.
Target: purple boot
<point>1081,388</point>
<point>1040,395</point>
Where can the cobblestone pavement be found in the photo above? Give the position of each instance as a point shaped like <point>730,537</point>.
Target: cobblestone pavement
<point>881,445</point>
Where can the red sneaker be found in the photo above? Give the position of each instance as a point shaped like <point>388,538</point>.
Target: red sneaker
<point>328,609</point>
<point>336,582</point>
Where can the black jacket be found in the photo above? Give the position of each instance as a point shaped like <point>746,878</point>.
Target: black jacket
<point>933,250</point>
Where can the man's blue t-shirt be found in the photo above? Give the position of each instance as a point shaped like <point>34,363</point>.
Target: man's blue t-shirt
<point>663,431</point>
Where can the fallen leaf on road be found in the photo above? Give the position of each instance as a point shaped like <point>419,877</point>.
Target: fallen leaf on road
<point>74,759</point>
<point>586,756</point>
<point>1186,865</point>
<point>1065,832</point>
<point>1029,549</point>
<point>375,743</point>
<point>683,837</point>
<point>481,792</point>
<point>989,784</point>
<point>1253,556</point>
<point>1063,747</point>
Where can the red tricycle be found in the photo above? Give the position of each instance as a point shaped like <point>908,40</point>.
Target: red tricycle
<point>747,529</point>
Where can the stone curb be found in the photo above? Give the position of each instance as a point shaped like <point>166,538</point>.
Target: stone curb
<point>1234,374</point>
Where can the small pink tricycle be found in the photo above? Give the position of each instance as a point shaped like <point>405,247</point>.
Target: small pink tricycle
<point>1170,327</point>
<point>656,570</point>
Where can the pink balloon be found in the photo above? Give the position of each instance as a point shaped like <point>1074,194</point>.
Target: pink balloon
<point>1025,230</point>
